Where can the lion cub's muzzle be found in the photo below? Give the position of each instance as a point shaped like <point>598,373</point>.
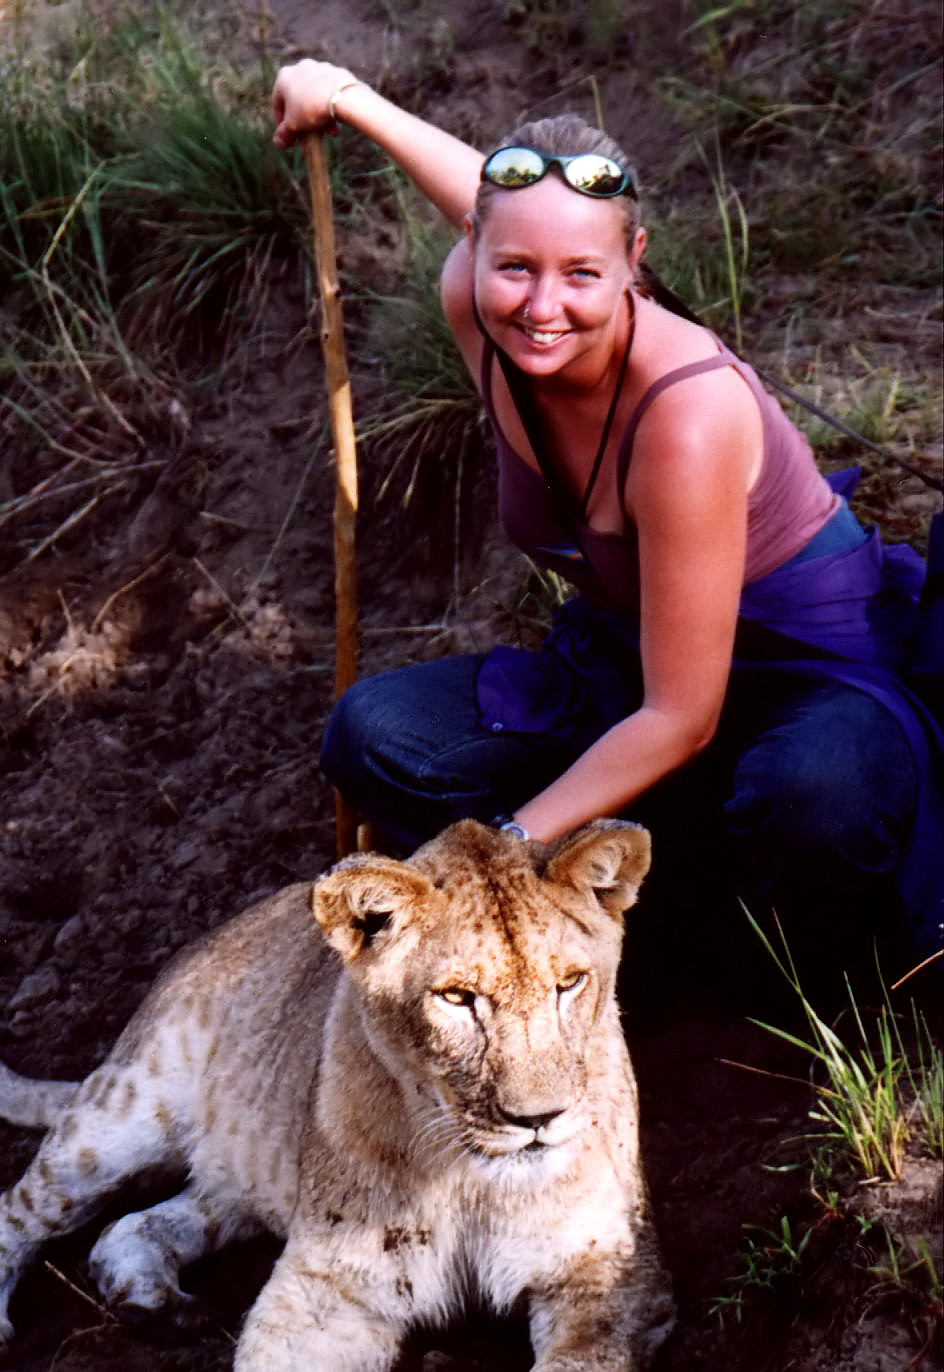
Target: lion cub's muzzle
<point>535,1134</point>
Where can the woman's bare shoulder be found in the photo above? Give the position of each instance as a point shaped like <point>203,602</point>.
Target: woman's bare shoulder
<point>666,345</point>
<point>705,423</point>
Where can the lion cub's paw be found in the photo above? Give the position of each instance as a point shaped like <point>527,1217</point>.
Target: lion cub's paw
<point>176,1322</point>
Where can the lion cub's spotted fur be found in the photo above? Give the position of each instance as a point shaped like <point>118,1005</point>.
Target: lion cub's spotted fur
<point>430,1096</point>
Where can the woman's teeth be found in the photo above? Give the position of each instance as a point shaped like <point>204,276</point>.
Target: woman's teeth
<point>543,335</point>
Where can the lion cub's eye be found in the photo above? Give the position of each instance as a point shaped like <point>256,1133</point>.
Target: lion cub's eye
<point>457,995</point>
<point>573,982</point>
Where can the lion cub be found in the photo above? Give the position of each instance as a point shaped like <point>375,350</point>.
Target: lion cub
<point>430,1095</point>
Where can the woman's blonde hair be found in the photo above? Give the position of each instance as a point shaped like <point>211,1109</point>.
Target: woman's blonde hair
<point>566,135</point>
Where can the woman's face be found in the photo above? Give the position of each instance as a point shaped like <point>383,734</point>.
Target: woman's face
<point>551,270</point>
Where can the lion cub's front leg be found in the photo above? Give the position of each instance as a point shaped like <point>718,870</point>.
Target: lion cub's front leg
<point>302,1321</point>
<point>603,1320</point>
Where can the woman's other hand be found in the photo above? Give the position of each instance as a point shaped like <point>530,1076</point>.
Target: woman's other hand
<point>301,98</point>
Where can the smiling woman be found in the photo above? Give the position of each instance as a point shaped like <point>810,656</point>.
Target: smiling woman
<point>727,617</point>
<point>555,310</point>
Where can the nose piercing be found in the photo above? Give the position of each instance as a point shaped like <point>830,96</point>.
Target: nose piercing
<point>526,312</point>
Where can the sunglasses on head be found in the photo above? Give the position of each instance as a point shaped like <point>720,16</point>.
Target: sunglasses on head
<point>590,173</point>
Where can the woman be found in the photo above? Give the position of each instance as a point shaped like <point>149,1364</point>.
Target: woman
<point>644,461</point>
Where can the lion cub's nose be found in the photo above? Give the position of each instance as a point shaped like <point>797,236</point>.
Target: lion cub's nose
<point>534,1122</point>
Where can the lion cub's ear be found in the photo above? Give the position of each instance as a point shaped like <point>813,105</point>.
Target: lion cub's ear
<point>363,899</point>
<point>609,858</point>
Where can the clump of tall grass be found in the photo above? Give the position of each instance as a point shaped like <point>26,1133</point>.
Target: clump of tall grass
<point>878,1087</point>
<point>143,217</point>
<point>877,1094</point>
<point>183,196</point>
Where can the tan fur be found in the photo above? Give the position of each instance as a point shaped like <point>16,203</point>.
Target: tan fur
<point>431,1096</point>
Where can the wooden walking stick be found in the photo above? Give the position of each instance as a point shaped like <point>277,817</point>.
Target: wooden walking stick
<point>342,432</point>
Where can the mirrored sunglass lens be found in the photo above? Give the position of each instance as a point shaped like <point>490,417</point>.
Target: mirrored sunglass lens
<point>514,167</point>
<point>595,175</point>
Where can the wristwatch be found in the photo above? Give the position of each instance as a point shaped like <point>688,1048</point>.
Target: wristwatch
<point>507,825</point>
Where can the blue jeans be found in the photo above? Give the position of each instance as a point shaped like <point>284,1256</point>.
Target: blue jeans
<point>409,751</point>
<point>805,795</point>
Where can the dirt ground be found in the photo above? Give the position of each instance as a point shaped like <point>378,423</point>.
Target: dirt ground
<point>163,691</point>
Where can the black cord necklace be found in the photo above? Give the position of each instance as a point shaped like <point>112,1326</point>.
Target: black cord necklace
<point>530,415</point>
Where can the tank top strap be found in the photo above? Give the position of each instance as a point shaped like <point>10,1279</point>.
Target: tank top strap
<point>725,358</point>
<point>488,357</point>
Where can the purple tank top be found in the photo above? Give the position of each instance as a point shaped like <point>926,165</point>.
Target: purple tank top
<point>789,503</point>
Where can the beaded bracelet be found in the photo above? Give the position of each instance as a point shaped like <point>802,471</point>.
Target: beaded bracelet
<point>345,85</point>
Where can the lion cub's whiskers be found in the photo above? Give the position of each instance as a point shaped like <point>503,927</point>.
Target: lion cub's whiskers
<point>439,1135</point>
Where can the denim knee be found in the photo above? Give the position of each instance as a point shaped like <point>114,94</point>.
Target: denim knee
<point>828,791</point>
<point>368,754</point>
<point>385,730</point>
<point>408,750</point>
<point>351,724</point>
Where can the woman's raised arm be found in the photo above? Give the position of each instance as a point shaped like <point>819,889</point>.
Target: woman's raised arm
<point>309,95</point>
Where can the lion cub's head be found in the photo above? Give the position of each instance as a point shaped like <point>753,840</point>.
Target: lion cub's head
<point>485,971</point>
